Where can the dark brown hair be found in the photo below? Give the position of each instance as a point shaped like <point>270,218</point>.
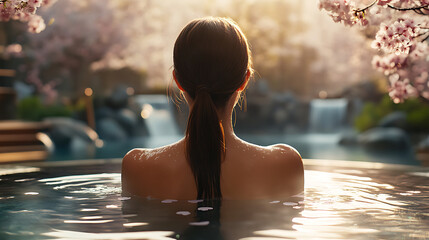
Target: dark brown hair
<point>211,61</point>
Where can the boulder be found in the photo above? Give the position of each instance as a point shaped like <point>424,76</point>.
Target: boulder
<point>424,144</point>
<point>396,119</point>
<point>422,152</point>
<point>348,139</point>
<point>387,138</point>
<point>109,129</point>
<point>127,119</point>
<point>104,112</point>
<point>119,98</point>
<point>63,130</point>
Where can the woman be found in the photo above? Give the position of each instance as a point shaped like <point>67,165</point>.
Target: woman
<point>212,66</point>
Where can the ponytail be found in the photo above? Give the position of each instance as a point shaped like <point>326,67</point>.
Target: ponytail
<point>205,145</point>
<point>211,62</point>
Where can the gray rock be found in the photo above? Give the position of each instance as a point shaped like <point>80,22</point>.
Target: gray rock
<point>127,119</point>
<point>109,129</point>
<point>348,139</point>
<point>396,119</point>
<point>63,130</point>
<point>104,112</point>
<point>81,149</point>
<point>385,139</point>
<point>118,98</point>
<point>424,144</point>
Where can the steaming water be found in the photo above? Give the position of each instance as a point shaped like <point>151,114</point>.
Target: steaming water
<point>75,201</point>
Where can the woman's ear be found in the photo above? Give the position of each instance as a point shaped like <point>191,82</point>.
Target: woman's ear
<point>243,86</point>
<point>175,80</point>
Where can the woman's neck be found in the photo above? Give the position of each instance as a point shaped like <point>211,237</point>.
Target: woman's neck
<point>226,120</point>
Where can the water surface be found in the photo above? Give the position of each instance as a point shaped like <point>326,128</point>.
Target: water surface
<point>342,200</point>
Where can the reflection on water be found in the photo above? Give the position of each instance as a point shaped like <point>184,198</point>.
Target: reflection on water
<point>338,203</point>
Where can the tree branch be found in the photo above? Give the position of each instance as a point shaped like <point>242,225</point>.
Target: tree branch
<point>421,34</point>
<point>426,38</point>
<point>365,8</point>
<point>417,9</point>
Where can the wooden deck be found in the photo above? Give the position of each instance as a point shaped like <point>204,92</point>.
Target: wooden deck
<point>22,141</point>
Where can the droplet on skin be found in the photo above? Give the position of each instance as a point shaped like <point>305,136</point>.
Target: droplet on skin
<point>274,201</point>
<point>204,223</point>
<point>205,209</point>
<point>290,204</point>
<point>195,201</point>
<point>183,213</point>
<point>169,201</point>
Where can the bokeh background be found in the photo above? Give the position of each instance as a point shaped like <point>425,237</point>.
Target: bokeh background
<point>94,83</point>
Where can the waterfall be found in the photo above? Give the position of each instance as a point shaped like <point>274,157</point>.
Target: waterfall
<point>158,115</point>
<point>327,115</point>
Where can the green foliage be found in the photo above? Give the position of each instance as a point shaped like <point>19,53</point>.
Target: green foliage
<point>417,114</point>
<point>32,109</point>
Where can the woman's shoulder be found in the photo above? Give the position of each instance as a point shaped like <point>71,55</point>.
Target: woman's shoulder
<point>280,153</point>
<point>277,156</point>
<point>275,170</point>
<point>282,156</point>
<point>141,167</point>
<point>288,161</point>
<point>285,153</point>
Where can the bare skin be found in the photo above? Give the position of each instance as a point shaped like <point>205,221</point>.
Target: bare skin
<point>248,171</point>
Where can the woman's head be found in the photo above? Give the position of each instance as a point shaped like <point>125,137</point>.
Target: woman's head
<point>211,62</point>
<point>212,54</point>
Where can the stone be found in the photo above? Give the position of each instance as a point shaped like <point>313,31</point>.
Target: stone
<point>348,139</point>
<point>396,119</point>
<point>387,138</point>
<point>63,130</point>
<point>119,98</point>
<point>424,144</point>
<point>109,129</point>
<point>127,119</point>
<point>104,112</point>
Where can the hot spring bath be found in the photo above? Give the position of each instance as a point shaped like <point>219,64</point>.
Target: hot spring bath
<point>342,200</point>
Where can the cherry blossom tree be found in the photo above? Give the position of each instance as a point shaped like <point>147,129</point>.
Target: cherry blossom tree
<point>60,57</point>
<point>401,37</point>
<point>87,36</point>
<point>24,11</point>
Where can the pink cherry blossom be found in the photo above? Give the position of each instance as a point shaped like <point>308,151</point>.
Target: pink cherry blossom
<point>383,2</point>
<point>403,53</point>
<point>24,11</point>
<point>36,24</point>
<point>401,90</point>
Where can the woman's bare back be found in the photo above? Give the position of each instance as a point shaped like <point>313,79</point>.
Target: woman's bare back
<point>247,172</point>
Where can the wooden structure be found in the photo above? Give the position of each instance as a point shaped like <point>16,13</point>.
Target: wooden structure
<point>23,141</point>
